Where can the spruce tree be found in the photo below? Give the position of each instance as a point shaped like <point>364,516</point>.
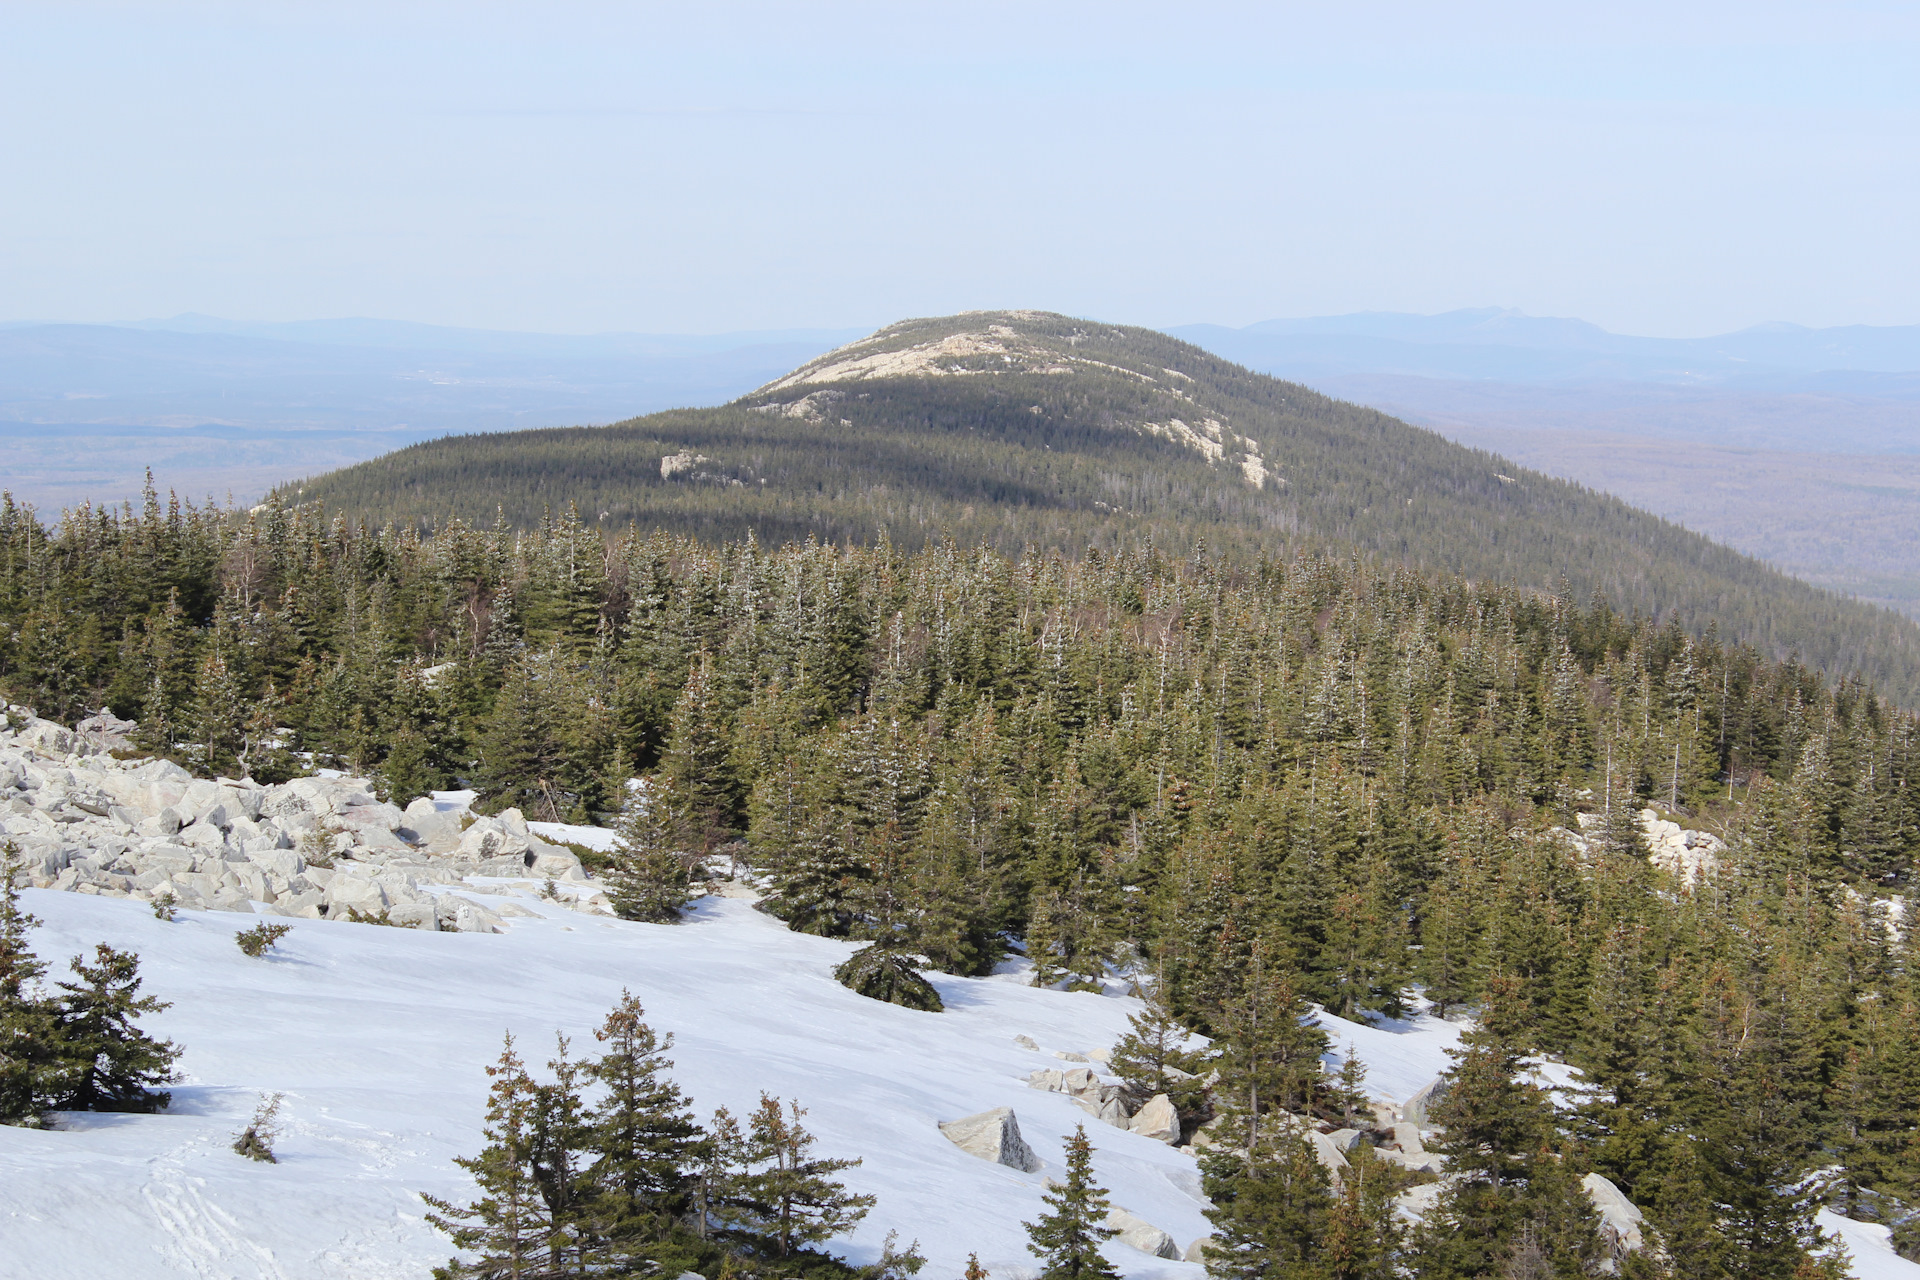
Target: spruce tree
<point>1152,1058</point>
<point>1067,1237</point>
<point>644,1137</point>
<point>697,763</point>
<point>110,1064</point>
<point>507,1225</point>
<point>797,1201</point>
<point>558,1154</point>
<point>31,1043</point>
<point>648,876</point>
<point>1270,1211</point>
<point>1362,1237</point>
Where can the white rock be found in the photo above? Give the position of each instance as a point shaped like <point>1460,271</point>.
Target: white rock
<point>1331,1158</point>
<point>1157,1120</point>
<point>1142,1235</point>
<point>1620,1218</point>
<point>993,1135</point>
<point>1420,1104</point>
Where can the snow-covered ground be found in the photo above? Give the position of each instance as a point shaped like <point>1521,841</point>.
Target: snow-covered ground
<point>379,1037</point>
<point>1872,1252</point>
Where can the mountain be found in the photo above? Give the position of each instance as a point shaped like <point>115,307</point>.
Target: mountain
<point>1017,428</point>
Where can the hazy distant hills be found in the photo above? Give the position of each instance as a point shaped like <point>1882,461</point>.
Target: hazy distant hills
<point>217,406</point>
<point>1508,346</point>
<point>1023,428</point>
<point>1801,446</point>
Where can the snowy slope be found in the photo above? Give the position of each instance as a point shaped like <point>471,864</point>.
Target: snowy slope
<point>378,1036</point>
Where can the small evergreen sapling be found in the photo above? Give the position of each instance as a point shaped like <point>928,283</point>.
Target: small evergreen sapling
<point>894,1262</point>
<point>259,940</point>
<point>886,975</point>
<point>1349,1093</point>
<point>255,1142</point>
<point>1068,1236</point>
<point>165,904</point>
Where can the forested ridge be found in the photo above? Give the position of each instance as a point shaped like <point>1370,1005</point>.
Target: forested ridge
<point>1026,429</point>
<point>1254,782</point>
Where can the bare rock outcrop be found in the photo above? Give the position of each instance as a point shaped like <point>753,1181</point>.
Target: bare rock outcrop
<point>86,820</point>
<point>993,1135</point>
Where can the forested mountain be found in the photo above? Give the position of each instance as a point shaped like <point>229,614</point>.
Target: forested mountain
<point>1019,428</point>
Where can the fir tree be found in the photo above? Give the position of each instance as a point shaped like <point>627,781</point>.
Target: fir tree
<point>1068,1236</point>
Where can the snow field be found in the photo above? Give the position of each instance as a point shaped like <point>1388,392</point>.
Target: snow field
<point>379,1038</point>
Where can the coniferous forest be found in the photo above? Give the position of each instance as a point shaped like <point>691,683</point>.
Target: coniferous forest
<point>1256,784</point>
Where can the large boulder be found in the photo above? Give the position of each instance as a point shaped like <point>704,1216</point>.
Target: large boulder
<point>1197,1251</point>
<point>1419,1108</point>
<point>1157,1120</point>
<point>1330,1156</point>
<point>453,913</point>
<point>1620,1218</point>
<point>993,1135</point>
<point>489,839</point>
<point>425,825</point>
<point>351,892</point>
<point>1142,1235</point>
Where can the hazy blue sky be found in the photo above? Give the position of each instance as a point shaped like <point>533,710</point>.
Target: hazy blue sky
<point>1671,168</point>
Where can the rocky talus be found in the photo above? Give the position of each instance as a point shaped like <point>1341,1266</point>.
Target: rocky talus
<point>84,814</point>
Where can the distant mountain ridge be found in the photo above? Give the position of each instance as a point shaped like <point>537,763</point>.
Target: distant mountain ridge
<point>1491,342</point>
<point>1034,429</point>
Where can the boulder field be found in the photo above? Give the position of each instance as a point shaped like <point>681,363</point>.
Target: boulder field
<point>83,814</point>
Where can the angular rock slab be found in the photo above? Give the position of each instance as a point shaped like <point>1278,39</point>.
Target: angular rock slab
<point>1419,1108</point>
<point>1142,1235</point>
<point>993,1135</point>
<point>1620,1218</point>
<point>1157,1120</point>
